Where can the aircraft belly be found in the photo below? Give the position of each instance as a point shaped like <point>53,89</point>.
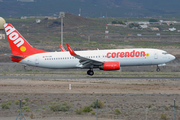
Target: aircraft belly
<point>133,61</point>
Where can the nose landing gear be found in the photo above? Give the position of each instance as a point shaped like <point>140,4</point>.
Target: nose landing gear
<point>90,72</point>
<point>158,69</point>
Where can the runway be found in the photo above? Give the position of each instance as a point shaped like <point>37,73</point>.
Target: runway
<point>85,94</point>
<point>43,77</point>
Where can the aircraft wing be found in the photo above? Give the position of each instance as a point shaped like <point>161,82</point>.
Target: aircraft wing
<point>84,62</point>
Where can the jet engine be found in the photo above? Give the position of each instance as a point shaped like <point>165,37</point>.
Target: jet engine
<point>110,66</point>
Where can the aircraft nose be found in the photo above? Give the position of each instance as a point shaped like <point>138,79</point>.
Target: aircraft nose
<point>172,57</point>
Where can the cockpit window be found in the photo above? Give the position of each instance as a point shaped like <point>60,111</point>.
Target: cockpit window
<point>164,53</point>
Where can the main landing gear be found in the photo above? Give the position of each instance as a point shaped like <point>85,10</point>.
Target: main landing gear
<point>90,72</point>
<point>158,69</point>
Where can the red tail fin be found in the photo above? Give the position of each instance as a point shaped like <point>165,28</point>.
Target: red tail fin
<point>19,46</point>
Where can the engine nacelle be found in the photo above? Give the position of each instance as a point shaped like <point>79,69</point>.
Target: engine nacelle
<point>110,66</point>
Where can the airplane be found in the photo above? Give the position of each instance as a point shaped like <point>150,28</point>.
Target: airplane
<point>107,60</point>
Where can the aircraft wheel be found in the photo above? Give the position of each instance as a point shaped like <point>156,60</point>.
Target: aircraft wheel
<point>90,72</point>
<point>158,69</point>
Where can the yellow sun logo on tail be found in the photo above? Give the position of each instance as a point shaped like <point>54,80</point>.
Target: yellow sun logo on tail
<point>23,49</point>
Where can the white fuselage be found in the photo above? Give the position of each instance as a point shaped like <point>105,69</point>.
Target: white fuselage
<point>63,60</point>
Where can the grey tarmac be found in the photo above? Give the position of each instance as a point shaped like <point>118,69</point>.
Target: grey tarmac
<point>42,77</point>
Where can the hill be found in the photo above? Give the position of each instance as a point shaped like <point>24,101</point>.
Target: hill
<point>92,8</point>
<point>85,34</point>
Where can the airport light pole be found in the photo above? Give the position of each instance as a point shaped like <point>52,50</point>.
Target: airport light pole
<point>174,109</point>
<point>62,15</point>
<point>97,109</point>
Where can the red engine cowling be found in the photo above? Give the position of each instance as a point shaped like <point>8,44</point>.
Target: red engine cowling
<point>110,66</point>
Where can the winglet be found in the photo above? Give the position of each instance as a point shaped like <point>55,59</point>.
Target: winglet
<point>71,50</point>
<point>62,48</point>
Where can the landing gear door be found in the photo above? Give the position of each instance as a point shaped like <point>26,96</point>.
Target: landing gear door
<point>155,55</point>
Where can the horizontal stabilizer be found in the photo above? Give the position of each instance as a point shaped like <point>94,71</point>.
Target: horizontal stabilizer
<point>15,58</point>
